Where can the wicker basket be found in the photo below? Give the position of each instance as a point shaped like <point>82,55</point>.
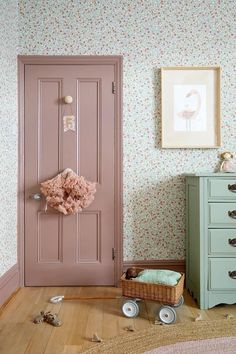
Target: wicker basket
<point>167,294</point>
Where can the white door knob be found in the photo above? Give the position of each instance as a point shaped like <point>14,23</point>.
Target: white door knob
<point>36,196</point>
<point>68,99</point>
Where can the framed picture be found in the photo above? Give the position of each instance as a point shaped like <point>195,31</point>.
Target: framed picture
<point>190,107</point>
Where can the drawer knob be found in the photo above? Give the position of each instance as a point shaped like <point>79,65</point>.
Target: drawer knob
<point>232,214</point>
<point>232,187</point>
<point>232,242</point>
<point>232,274</point>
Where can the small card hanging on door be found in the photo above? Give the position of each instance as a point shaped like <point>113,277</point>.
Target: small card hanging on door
<point>69,123</point>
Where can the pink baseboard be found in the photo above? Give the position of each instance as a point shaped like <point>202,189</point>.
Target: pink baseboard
<point>9,282</point>
<point>172,264</point>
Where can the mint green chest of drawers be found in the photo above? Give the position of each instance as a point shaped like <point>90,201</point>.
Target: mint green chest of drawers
<point>211,238</point>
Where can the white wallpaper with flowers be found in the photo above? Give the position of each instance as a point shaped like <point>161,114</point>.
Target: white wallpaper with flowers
<point>8,133</point>
<point>149,34</point>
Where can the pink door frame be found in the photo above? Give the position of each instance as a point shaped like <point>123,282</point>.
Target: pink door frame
<point>117,61</point>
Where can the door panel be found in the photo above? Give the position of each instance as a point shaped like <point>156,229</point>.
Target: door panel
<point>89,237</point>
<point>90,129</point>
<point>75,249</point>
<point>49,92</point>
<point>49,237</point>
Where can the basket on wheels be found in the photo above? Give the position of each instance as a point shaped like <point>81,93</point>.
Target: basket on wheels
<point>166,294</point>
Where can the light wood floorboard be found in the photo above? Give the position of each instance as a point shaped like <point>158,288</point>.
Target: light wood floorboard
<point>81,319</point>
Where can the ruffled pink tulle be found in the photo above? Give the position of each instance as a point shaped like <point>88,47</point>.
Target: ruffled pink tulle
<point>68,192</point>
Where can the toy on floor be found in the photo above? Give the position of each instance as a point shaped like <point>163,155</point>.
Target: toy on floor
<point>169,293</point>
<point>49,318</point>
<point>139,284</point>
<point>58,298</point>
<point>96,338</point>
<point>129,328</point>
<point>39,318</point>
<point>198,317</point>
<point>228,316</point>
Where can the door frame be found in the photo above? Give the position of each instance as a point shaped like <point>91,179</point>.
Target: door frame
<point>117,62</point>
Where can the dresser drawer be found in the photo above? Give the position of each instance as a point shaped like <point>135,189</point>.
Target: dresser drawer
<point>222,189</point>
<point>220,270</point>
<point>222,214</point>
<point>222,241</point>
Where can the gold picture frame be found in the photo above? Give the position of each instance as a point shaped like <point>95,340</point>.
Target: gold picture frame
<point>190,100</point>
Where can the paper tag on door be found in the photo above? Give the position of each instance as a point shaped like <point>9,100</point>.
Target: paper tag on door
<point>69,123</point>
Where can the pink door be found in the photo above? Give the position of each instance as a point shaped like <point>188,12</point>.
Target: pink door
<point>69,250</point>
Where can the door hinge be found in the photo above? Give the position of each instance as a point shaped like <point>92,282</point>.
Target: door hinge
<point>113,254</point>
<point>113,87</point>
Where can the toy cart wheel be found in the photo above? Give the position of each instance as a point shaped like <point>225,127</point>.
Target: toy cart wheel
<point>167,315</point>
<point>180,302</point>
<point>130,308</point>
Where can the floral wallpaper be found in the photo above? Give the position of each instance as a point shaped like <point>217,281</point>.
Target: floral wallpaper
<point>149,34</point>
<point>8,133</point>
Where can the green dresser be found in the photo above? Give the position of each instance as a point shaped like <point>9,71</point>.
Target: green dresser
<point>211,238</point>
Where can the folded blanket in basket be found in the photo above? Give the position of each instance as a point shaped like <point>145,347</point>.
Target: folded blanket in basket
<point>158,276</point>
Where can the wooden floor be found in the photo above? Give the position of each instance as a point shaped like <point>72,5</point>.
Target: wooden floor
<point>81,319</point>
